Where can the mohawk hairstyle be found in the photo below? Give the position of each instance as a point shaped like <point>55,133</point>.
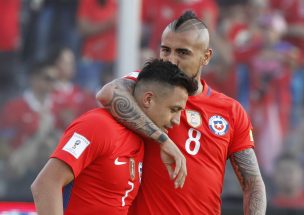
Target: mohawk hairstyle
<point>190,16</point>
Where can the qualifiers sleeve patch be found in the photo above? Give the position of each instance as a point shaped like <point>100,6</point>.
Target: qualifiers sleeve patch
<point>76,145</point>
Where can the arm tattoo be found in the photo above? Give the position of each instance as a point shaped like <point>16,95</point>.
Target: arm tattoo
<point>162,138</point>
<point>128,113</point>
<point>247,170</point>
<point>125,109</point>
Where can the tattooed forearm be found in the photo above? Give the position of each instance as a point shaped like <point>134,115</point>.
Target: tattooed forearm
<point>162,138</point>
<point>247,170</point>
<point>124,108</point>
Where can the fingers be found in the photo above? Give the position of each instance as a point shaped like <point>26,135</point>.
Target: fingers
<point>172,156</point>
<point>181,173</point>
<point>170,171</point>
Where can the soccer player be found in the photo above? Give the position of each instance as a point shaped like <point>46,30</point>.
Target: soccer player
<point>213,128</point>
<point>98,161</point>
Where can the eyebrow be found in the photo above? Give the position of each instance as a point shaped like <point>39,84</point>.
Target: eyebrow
<point>177,107</point>
<point>178,49</point>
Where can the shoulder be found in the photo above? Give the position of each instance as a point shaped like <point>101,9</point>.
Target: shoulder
<point>97,118</point>
<point>225,101</point>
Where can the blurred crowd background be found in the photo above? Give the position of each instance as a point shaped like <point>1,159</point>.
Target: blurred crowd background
<point>55,55</point>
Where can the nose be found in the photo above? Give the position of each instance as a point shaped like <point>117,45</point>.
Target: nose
<point>171,58</point>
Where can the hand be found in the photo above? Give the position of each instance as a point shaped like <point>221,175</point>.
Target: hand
<point>170,155</point>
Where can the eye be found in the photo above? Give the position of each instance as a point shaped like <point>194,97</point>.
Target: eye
<point>183,52</point>
<point>165,49</point>
<point>174,110</point>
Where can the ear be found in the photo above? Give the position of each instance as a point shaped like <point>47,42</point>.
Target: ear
<point>148,99</point>
<point>207,56</point>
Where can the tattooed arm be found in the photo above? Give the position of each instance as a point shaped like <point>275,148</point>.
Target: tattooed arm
<point>246,168</point>
<point>117,98</point>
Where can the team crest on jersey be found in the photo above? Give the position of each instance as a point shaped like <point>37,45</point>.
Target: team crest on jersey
<point>132,168</point>
<point>218,125</point>
<point>194,118</point>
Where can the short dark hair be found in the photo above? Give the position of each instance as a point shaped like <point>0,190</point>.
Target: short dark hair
<point>165,72</point>
<point>186,16</point>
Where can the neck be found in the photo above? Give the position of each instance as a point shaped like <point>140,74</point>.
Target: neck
<point>200,88</point>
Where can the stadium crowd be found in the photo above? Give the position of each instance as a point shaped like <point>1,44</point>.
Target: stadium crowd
<point>55,55</point>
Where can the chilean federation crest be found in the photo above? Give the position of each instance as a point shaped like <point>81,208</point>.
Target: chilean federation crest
<point>194,118</point>
<point>218,125</point>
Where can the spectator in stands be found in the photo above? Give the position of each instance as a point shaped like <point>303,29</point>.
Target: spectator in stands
<point>288,179</point>
<point>70,100</point>
<point>270,97</point>
<point>27,134</point>
<point>97,26</point>
<point>293,12</point>
<point>9,47</point>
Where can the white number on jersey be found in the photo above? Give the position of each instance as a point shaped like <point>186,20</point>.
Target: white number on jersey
<point>193,140</point>
<point>127,193</point>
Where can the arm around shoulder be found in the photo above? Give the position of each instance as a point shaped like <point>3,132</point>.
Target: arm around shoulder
<point>119,86</point>
<point>47,187</point>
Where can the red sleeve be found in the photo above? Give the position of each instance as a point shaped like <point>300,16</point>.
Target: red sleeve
<point>83,141</point>
<point>242,131</point>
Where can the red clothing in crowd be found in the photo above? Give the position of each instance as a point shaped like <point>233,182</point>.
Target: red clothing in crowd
<point>293,11</point>
<point>9,24</point>
<point>100,46</point>
<point>20,118</point>
<point>70,102</point>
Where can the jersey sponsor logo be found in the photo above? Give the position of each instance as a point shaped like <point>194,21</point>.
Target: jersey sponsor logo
<point>76,145</point>
<point>118,163</point>
<point>132,168</point>
<point>218,125</point>
<point>194,118</point>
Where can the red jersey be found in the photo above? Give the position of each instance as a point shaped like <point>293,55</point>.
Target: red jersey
<point>101,46</point>
<point>106,159</point>
<point>70,101</point>
<point>20,118</point>
<point>213,126</point>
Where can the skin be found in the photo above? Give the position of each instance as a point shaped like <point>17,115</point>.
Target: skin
<point>189,50</point>
<point>165,112</point>
<point>246,168</point>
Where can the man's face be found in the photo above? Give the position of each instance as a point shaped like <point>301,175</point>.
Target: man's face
<point>186,50</point>
<point>166,107</point>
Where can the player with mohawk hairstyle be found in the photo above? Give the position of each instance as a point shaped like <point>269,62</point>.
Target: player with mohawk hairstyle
<point>213,128</point>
